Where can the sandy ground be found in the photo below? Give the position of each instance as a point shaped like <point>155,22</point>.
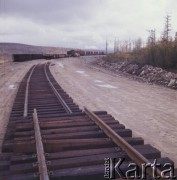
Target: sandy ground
<point>149,110</point>
<point>11,75</point>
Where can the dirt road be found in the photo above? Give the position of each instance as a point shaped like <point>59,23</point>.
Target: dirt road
<point>149,110</point>
<point>11,75</point>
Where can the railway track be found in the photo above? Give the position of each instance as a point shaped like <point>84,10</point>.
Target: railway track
<point>49,137</point>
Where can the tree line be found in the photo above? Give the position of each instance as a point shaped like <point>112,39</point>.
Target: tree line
<point>160,53</point>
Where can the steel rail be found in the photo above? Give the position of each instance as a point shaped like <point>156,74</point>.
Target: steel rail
<point>118,140</point>
<point>68,110</point>
<point>43,172</point>
<point>25,113</point>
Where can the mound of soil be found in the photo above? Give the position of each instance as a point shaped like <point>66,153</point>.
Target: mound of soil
<point>145,73</point>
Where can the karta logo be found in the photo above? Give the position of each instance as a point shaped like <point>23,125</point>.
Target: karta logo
<point>119,168</point>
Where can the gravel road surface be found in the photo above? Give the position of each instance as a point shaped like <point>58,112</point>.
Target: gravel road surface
<point>149,110</point>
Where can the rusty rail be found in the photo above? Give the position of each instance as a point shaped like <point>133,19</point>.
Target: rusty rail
<point>43,172</point>
<point>74,141</point>
<point>119,141</point>
<point>68,110</point>
<point>26,94</point>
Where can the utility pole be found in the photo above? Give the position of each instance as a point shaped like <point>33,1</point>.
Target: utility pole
<point>115,45</point>
<point>118,45</point>
<point>106,47</point>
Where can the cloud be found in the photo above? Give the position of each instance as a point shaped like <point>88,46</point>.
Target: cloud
<point>82,23</point>
<point>53,11</point>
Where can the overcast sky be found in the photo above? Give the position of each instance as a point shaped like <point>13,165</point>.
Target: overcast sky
<point>82,23</point>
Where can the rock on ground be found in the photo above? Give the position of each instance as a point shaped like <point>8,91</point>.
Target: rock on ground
<point>149,110</point>
<point>144,73</point>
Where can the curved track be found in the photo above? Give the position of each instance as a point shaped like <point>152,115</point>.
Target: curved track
<point>49,137</point>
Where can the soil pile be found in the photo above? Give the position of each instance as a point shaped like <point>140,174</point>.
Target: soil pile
<point>145,73</point>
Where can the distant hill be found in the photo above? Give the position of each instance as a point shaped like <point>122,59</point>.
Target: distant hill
<point>7,49</point>
<point>15,48</point>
